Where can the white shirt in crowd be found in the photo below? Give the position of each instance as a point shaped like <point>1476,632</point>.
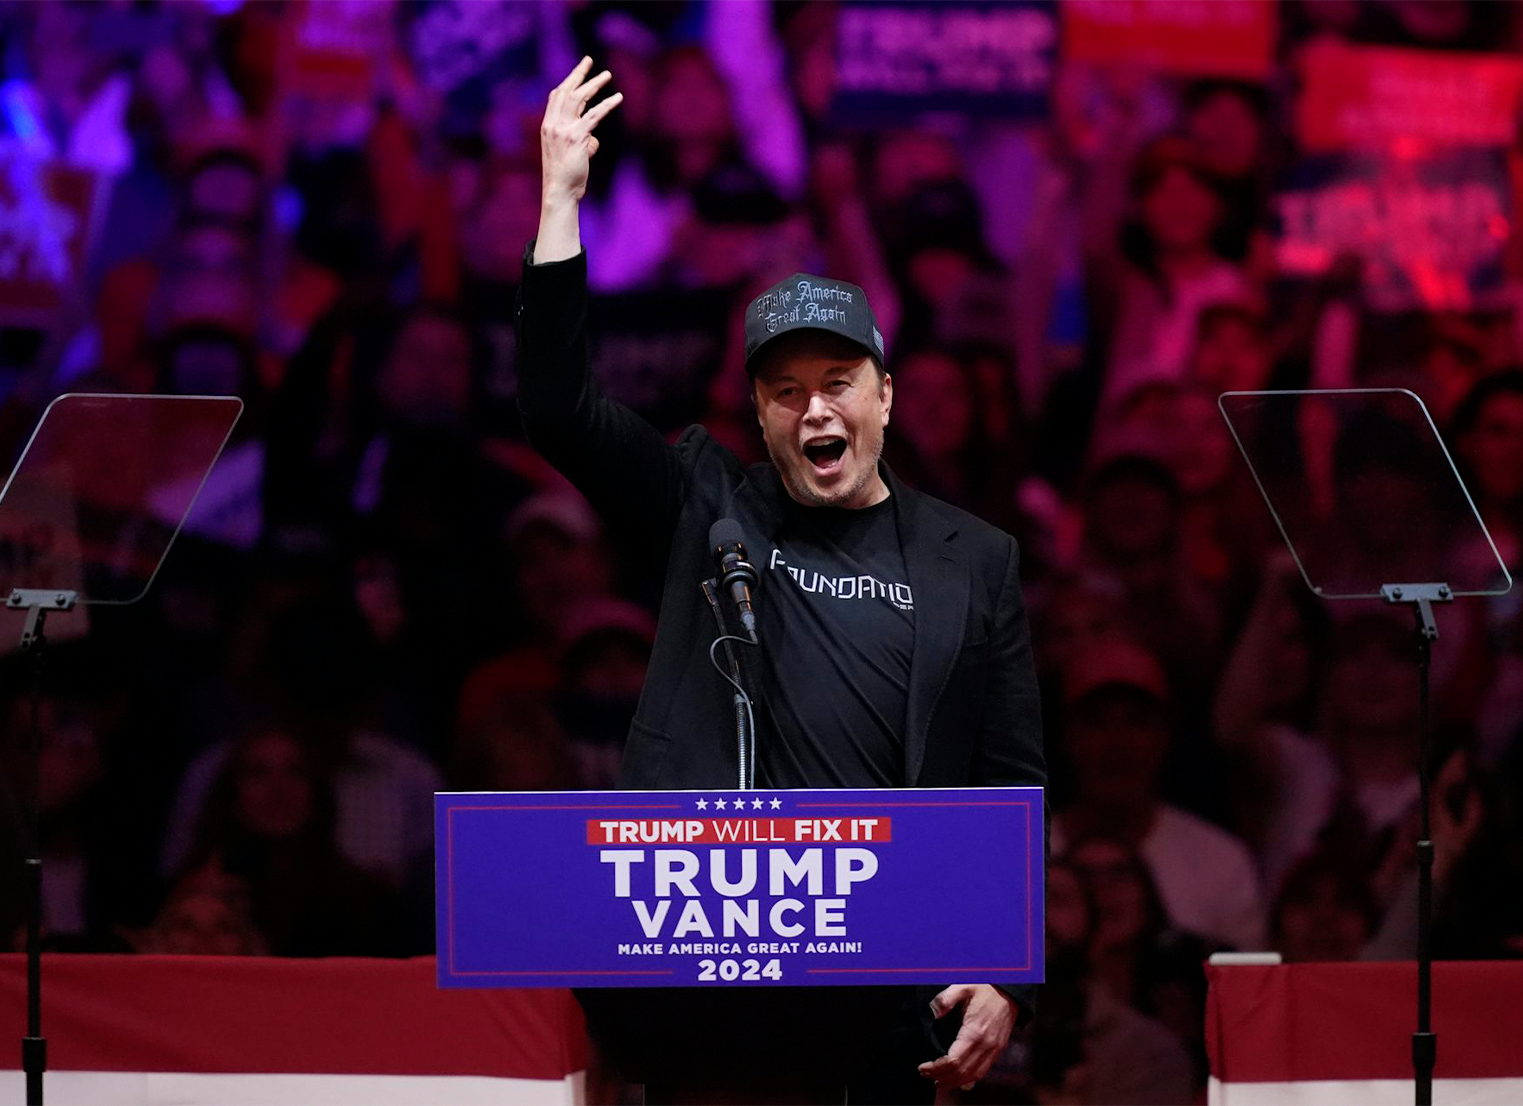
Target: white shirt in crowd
<point>1305,780</point>
<point>1206,878</point>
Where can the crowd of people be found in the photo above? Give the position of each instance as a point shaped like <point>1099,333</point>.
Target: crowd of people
<point>397,596</point>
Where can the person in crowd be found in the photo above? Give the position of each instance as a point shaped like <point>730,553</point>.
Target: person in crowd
<point>951,287</point>
<point>560,557</point>
<point>808,33</point>
<point>206,913</point>
<point>269,821</point>
<point>1332,906</point>
<point>1486,431</point>
<point>1232,350</point>
<point>605,649</point>
<point>1325,910</point>
<point>1228,122</point>
<point>1075,611</point>
<point>692,133</point>
<point>1131,515</point>
<point>1091,1045</point>
<point>1351,776</point>
<point>1117,735</point>
<point>738,231</point>
<point>939,442</point>
<point>1183,428</point>
<point>561,567</point>
<point>1136,955</point>
<point>507,739</point>
<point>85,868</point>
<point>317,666</point>
<point>1175,265</point>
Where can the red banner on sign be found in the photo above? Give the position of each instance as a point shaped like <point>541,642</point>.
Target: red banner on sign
<point>1380,98</point>
<point>1203,38</point>
<point>736,831</point>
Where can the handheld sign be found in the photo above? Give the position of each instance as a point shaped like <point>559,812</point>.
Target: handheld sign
<point>757,888</point>
<point>901,58</point>
<point>1218,38</point>
<point>1431,231</point>
<point>1416,101</point>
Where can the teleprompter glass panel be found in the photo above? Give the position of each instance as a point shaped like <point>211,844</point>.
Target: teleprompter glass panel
<point>1364,491</point>
<point>102,488</point>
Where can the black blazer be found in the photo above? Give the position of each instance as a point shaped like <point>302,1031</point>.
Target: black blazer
<point>973,717</point>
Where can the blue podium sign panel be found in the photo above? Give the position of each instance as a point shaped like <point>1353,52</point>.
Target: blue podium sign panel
<point>757,888</point>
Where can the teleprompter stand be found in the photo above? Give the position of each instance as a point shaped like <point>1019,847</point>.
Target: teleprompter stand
<point>34,1046</point>
<point>99,494</point>
<point>1365,493</point>
<point>1420,598</point>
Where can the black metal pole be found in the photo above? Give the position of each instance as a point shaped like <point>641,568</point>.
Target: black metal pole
<point>1420,598</point>
<point>1424,1041</point>
<point>34,1046</point>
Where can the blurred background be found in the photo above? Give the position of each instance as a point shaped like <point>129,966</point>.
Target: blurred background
<point>1078,222</point>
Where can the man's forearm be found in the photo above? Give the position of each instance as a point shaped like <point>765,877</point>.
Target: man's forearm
<point>560,234</point>
<point>617,459</point>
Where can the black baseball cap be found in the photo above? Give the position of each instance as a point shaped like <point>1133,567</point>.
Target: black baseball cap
<point>804,302</point>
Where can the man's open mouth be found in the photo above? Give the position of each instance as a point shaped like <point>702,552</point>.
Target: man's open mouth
<point>825,453</point>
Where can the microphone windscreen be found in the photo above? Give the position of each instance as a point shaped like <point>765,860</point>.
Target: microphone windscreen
<point>726,531</point>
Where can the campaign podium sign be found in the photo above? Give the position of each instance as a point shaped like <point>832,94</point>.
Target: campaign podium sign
<point>739,888</point>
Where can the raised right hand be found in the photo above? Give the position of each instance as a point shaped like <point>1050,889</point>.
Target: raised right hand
<point>565,137</point>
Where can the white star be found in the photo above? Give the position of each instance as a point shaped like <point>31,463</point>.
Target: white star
<point>777,804</point>
<point>718,804</point>
<point>702,804</point>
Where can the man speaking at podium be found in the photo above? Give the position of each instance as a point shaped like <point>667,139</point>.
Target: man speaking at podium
<point>894,649</point>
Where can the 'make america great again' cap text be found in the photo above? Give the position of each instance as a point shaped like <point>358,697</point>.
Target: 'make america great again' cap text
<point>804,302</point>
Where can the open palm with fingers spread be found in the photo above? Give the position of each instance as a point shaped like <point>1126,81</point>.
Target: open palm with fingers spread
<point>566,148</point>
<point>565,137</point>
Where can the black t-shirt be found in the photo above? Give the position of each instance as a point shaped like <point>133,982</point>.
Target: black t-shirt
<point>837,623</point>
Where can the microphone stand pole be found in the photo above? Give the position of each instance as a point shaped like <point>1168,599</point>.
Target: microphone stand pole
<point>745,726</point>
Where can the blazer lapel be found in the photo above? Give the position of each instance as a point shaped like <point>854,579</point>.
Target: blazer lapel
<point>939,581</point>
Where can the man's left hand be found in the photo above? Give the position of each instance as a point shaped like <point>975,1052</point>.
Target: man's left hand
<point>986,1026</point>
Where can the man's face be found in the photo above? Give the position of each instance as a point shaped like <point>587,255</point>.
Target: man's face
<point>823,418</point>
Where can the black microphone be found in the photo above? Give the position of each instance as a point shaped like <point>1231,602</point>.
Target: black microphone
<point>736,574</point>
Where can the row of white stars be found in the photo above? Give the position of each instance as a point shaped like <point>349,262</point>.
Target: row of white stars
<point>740,804</point>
